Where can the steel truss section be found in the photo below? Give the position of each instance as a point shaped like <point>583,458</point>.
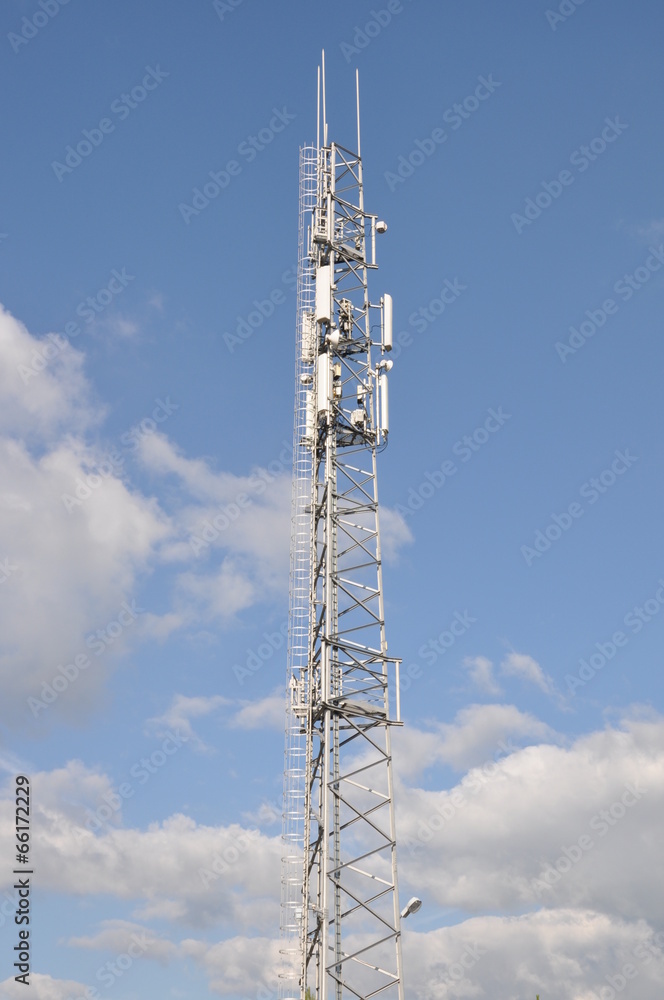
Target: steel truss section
<point>350,923</point>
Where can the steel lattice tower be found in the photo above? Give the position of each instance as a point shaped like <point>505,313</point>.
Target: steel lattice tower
<point>341,935</point>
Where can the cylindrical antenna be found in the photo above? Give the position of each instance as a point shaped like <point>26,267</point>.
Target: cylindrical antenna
<point>318,114</point>
<point>357,91</point>
<point>324,108</point>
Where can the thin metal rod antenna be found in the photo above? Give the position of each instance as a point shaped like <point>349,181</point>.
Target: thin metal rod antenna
<point>340,923</point>
<point>357,91</point>
<point>318,113</point>
<point>324,106</point>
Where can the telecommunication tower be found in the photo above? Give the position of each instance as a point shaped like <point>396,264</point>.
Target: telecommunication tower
<point>340,919</point>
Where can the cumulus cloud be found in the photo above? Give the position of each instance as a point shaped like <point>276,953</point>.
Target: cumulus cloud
<point>394,533</point>
<point>226,876</point>
<point>42,987</point>
<point>480,671</point>
<point>233,587</point>
<point>72,571</point>
<point>562,841</point>
<point>483,731</point>
<point>43,389</point>
<point>78,538</point>
<point>122,936</point>
<point>525,667</point>
<point>240,965</point>
<point>261,713</point>
<point>568,954</point>
<point>497,839</point>
<point>477,734</point>
<point>235,529</point>
<point>265,713</point>
<point>572,954</point>
<point>177,717</point>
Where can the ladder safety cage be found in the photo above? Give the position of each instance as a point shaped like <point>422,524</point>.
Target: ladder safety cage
<point>341,933</point>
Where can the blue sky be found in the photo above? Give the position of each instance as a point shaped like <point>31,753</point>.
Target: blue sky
<point>515,153</point>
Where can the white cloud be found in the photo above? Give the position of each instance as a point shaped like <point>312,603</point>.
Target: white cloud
<point>488,842</point>
<point>122,936</point>
<point>521,665</point>
<point>567,954</point>
<point>79,539</point>
<point>224,876</point>
<point>650,232</point>
<point>480,671</point>
<point>266,713</point>
<point>394,533</point>
<point>73,790</point>
<point>161,455</point>
<point>262,713</point>
<point>239,525</point>
<point>478,733</point>
<point>239,965</point>
<point>43,389</point>
<point>223,594</point>
<point>177,717</point>
<point>73,571</point>
<point>514,835</point>
<point>42,987</point>
<point>74,532</point>
<point>115,325</point>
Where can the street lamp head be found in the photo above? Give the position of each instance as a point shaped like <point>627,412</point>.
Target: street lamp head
<point>412,906</point>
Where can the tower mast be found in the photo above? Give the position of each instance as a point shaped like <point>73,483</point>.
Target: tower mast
<point>341,935</point>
